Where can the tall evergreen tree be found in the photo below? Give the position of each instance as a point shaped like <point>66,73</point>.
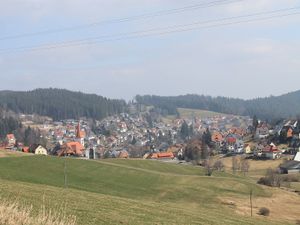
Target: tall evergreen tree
<point>184,131</point>
<point>254,123</point>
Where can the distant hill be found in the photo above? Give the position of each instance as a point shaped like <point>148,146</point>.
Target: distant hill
<point>63,104</point>
<point>60,103</point>
<point>271,108</point>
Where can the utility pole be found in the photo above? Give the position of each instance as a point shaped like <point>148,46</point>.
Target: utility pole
<point>251,201</point>
<point>65,172</point>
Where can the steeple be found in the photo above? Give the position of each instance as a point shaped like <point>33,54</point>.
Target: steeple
<point>78,131</point>
<point>79,134</point>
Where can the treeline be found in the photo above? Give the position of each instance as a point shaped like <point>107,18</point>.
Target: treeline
<point>269,108</point>
<point>7,126</point>
<point>10,124</point>
<point>29,136</point>
<point>60,103</point>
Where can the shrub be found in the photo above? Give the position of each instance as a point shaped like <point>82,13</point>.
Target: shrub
<point>264,181</point>
<point>264,211</point>
<point>272,179</point>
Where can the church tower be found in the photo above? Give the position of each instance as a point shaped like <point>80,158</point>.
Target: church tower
<point>79,134</point>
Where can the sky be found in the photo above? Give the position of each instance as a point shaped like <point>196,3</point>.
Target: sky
<point>118,59</point>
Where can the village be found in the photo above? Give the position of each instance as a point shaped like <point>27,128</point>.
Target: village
<point>142,135</point>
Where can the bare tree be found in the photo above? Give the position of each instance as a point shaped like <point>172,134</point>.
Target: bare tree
<point>272,178</point>
<point>208,166</point>
<point>245,165</point>
<point>218,165</point>
<point>235,164</point>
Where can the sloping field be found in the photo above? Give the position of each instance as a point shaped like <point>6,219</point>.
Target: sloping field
<point>191,113</point>
<point>8,153</point>
<point>186,113</point>
<point>258,168</point>
<point>156,166</point>
<point>127,191</point>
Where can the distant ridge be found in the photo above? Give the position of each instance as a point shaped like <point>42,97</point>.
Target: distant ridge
<point>64,104</point>
<point>269,108</point>
<point>60,103</point>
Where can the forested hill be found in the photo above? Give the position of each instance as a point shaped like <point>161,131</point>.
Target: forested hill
<point>60,103</point>
<point>272,108</point>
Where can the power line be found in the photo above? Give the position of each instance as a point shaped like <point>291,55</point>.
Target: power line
<point>125,19</point>
<point>179,26</point>
<point>161,31</point>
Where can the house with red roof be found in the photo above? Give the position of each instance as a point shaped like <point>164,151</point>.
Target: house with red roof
<point>71,149</point>
<point>231,140</point>
<point>271,152</point>
<point>25,149</point>
<point>162,155</point>
<point>217,137</point>
<point>11,140</point>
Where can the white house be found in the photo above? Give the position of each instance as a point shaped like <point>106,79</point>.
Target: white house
<point>40,150</point>
<point>297,157</point>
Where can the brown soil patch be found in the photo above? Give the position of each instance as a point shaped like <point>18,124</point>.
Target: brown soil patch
<point>283,205</point>
<point>254,164</point>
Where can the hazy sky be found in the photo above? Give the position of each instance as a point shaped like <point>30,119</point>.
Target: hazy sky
<point>243,60</point>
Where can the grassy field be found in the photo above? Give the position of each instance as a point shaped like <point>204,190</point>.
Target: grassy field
<point>158,167</point>
<point>8,153</point>
<point>258,168</point>
<point>191,113</point>
<point>16,214</point>
<point>295,185</point>
<point>186,113</point>
<point>131,191</point>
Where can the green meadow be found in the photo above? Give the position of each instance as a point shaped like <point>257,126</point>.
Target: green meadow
<point>127,191</point>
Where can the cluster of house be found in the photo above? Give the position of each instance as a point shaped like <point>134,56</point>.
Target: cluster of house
<point>133,135</point>
<point>11,143</point>
<point>72,145</point>
<point>134,129</point>
<point>115,136</point>
<point>231,140</point>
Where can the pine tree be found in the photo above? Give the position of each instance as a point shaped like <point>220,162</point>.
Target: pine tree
<point>184,131</point>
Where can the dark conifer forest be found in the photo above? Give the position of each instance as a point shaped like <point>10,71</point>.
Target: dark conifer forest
<point>268,108</point>
<point>63,104</point>
<point>60,104</point>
